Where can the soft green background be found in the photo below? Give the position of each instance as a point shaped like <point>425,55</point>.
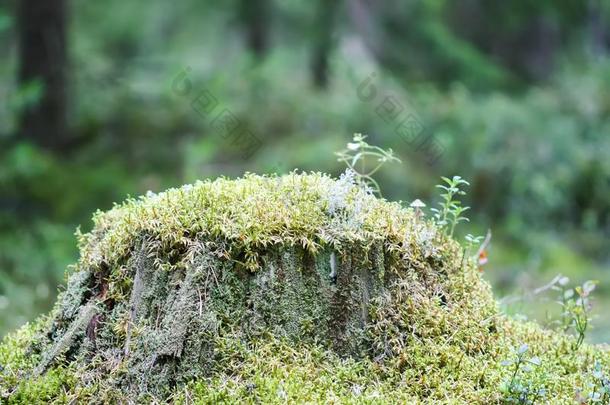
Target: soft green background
<point>516,94</point>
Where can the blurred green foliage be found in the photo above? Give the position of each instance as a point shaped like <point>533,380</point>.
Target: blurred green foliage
<point>515,95</point>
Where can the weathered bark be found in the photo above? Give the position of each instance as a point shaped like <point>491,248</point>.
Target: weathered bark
<point>43,58</point>
<point>172,319</point>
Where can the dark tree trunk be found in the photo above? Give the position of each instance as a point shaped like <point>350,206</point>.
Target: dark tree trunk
<point>255,20</point>
<point>43,57</point>
<point>324,41</point>
<point>599,34</point>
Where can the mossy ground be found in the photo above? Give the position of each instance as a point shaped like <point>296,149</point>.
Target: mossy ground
<point>224,291</point>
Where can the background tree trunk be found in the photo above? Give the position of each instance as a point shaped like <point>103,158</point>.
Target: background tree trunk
<point>254,15</point>
<point>323,41</point>
<point>597,26</point>
<point>43,57</point>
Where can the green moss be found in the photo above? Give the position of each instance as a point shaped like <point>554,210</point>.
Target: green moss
<point>18,363</point>
<point>223,292</point>
<point>249,214</point>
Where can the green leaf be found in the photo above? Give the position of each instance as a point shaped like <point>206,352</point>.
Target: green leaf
<point>535,361</point>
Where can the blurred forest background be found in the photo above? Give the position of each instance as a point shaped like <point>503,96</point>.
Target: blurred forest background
<point>104,100</point>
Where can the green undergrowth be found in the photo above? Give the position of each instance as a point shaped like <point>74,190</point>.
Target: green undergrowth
<point>228,291</point>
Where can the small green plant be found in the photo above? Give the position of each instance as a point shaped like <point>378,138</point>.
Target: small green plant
<point>519,389</point>
<point>449,214</point>
<point>357,157</point>
<point>576,307</point>
<point>600,389</point>
<point>471,242</point>
<point>581,310</point>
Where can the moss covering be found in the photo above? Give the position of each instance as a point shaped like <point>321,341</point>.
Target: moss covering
<point>298,288</point>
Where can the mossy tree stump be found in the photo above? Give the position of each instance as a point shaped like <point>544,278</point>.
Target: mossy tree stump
<point>246,289</point>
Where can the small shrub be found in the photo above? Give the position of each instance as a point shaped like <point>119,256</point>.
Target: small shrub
<point>600,392</point>
<point>449,214</point>
<point>576,307</point>
<point>519,389</point>
<point>356,157</point>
